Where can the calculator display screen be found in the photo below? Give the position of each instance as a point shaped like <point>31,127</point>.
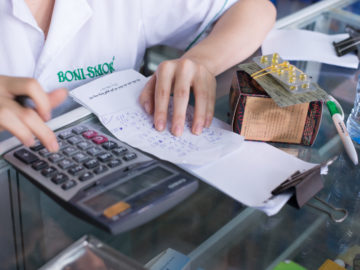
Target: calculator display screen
<point>124,190</point>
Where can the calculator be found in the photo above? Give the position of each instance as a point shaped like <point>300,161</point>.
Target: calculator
<point>103,180</point>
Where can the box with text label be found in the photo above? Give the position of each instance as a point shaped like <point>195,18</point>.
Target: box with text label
<point>257,117</point>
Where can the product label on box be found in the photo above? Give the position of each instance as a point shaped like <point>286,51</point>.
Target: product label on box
<point>264,120</point>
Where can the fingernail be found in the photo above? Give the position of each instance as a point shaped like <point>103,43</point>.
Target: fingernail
<point>160,125</point>
<point>147,107</point>
<point>54,147</point>
<point>177,130</point>
<point>29,142</point>
<point>46,117</point>
<point>198,129</point>
<point>208,122</point>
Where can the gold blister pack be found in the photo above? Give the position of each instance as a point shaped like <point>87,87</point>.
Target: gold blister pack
<point>293,79</point>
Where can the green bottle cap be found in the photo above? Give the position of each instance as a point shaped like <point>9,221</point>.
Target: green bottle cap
<point>332,107</point>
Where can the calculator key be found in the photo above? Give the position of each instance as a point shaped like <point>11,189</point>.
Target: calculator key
<point>59,178</point>
<point>114,163</point>
<point>66,163</point>
<point>95,151</point>
<point>92,163</point>
<point>109,145</point>
<point>86,176</point>
<point>75,170</point>
<point>70,151</point>
<point>37,146</point>
<point>99,139</point>
<point>62,144</point>
<point>104,157</point>
<point>39,165</point>
<point>68,185</point>
<point>74,140</point>
<point>80,157</point>
<point>65,134</point>
<point>84,145</point>
<point>48,171</point>
<point>130,156</point>
<point>44,152</point>
<point>89,134</point>
<point>56,157</point>
<point>100,169</point>
<point>119,150</point>
<point>25,156</point>
<point>79,129</point>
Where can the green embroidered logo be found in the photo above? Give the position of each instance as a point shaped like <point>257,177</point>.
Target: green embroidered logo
<point>90,72</point>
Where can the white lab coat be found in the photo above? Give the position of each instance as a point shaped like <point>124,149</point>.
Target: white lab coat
<point>91,38</point>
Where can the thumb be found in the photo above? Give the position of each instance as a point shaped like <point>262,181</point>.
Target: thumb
<point>57,97</point>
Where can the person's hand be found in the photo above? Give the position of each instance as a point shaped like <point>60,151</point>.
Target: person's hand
<point>179,76</point>
<point>25,123</point>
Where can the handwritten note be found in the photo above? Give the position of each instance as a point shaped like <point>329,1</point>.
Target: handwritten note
<point>114,99</point>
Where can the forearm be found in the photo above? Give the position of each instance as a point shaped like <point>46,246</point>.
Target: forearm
<point>236,35</point>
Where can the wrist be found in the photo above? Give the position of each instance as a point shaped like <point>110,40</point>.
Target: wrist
<point>200,61</point>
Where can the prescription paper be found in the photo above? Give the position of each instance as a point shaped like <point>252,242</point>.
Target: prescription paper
<point>250,173</point>
<point>114,99</point>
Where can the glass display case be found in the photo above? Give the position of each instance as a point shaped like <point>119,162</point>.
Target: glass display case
<point>212,229</point>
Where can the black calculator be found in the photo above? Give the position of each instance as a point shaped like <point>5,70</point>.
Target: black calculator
<point>102,179</point>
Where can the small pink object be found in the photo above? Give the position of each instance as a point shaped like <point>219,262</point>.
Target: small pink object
<point>89,134</point>
<point>99,139</point>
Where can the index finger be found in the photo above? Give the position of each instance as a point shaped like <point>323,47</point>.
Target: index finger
<point>163,86</point>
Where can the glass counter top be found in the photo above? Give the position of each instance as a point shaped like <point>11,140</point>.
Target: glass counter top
<point>214,230</point>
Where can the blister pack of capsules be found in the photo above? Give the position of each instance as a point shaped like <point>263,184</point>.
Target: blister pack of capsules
<point>293,79</point>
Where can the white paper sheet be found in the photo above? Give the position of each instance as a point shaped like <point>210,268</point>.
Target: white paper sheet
<point>307,46</point>
<point>251,172</point>
<point>114,99</point>
<point>246,171</point>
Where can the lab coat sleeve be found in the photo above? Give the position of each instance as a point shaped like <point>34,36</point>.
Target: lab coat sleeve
<point>180,23</point>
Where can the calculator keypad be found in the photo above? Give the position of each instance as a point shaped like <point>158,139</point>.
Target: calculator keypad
<point>85,155</point>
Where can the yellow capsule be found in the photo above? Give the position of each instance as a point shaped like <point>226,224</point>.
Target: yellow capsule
<point>263,59</point>
<point>292,79</point>
<point>305,86</point>
<point>291,68</point>
<point>302,76</point>
<point>293,87</point>
<point>285,64</point>
<point>275,55</point>
<point>275,60</point>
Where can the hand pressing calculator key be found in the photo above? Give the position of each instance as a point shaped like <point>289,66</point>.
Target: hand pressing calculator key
<point>104,180</point>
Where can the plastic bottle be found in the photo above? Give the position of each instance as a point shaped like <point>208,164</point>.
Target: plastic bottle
<point>353,121</point>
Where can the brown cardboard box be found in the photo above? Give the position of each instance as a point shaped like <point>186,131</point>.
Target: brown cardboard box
<point>257,117</point>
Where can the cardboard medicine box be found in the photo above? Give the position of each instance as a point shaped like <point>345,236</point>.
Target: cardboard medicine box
<point>257,117</point>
